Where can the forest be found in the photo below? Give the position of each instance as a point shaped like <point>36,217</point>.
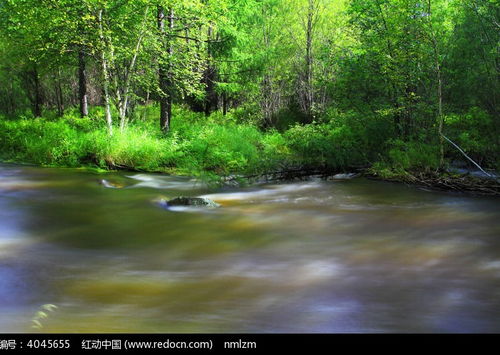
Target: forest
<point>217,88</point>
<point>220,170</point>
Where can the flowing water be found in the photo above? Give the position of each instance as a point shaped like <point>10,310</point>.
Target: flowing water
<point>314,256</point>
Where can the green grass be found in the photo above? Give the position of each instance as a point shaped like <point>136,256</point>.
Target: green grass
<point>195,145</point>
<point>217,145</point>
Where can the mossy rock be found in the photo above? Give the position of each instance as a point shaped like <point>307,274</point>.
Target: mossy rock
<point>190,201</point>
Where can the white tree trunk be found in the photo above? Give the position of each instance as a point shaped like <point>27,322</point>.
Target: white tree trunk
<point>105,73</point>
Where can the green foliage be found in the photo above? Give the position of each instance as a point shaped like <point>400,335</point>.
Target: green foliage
<point>42,142</point>
<point>132,148</point>
<point>336,84</point>
<point>477,134</point>
<point>222,149</point>
<point>194,146</point>
<point>405,157</point>
<point>324,145</point>
<point>218,145</point>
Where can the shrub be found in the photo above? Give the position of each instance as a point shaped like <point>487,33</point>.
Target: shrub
<point>42,142</point>
<point>217,145</point>
<point>332,145</point>
<point>222,149</point>
<point>132,148</point>
<point>404,157</point>
<point>476,133</point>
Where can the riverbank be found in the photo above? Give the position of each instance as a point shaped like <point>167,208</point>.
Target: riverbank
<point>446,181</point>
<point>206,147</point>
<point>433,181</point>
<point>228,150</point>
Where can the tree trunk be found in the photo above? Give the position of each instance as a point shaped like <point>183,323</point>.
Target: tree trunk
<point>82,84</point>
<point>309,60</point>
<point>224,103</point>
<point>209,78</point>
<point>146,104</point>
<point>210,94</point>
<point>440,112</point>
<point>12,106</point>
<point>124,101</point>
<point>165,74</point>
<point>37,102</point>
<point>395,90</point>
<point>437,64</point>
<point>105,74</point>
<point>59,94</point>
<point>306,89</point>
<point>267,100</point>
<point>270,96</point>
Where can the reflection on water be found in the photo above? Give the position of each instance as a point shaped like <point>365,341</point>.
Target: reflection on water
<point>341,256</point>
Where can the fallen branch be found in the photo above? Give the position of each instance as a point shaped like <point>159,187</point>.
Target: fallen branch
<point>461,151</point>
<point>446,182</point>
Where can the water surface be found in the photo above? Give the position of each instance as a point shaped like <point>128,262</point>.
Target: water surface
<point>312,256</point>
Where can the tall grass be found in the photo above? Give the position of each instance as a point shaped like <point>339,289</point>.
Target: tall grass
<point>212,146</point>
<point>195,145</point>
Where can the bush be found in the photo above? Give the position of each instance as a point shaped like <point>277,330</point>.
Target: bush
<point>42,142</point>
<point>195,145</point>
<point>217,145</point>
<point>222,149</point>
<point>477,134</point>
<point>331,145</point>
<point>132,148</point>
<point>405,157</point>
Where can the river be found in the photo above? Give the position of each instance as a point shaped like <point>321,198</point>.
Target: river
<point>310,256</point>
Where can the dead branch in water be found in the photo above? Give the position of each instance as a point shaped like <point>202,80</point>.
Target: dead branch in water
<point>451,182</point>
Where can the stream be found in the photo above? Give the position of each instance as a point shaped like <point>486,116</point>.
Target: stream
<point>311,256</point>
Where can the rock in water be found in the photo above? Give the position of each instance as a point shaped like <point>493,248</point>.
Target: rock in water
<point>191,201</point>
<point>347,176</point>
<point>110,184</point>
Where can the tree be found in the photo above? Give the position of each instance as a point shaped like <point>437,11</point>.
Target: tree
<point>23,28</point>
<point>313,23</point>
<point>181,51</point>
<point>165,73</point>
